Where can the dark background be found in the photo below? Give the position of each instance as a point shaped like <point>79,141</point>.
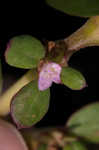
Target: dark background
<point>45,23</point>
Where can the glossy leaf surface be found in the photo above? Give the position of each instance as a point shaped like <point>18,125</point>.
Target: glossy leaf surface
<point>29,105</point>
<point>24,52</point>
<point>72,78</point>
<point>85,122</point>
<point>84,8</point>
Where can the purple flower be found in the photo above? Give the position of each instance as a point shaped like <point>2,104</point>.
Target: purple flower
<point>50,73</point>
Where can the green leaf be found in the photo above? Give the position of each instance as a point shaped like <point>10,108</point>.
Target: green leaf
<point>24,52</point>
<point>29,105</point>
<point>85,122</point>
<point>42,147</point>
<point>72,78</point>
<point>84,8</point>
<point>76,145</point>
<point>67,147</point>
<point>1,81</point>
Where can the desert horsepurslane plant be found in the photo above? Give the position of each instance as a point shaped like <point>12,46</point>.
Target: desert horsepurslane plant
<point>43,71</point>
<point>28,99</point>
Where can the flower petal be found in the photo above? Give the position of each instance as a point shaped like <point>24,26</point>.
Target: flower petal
<point>56,79</point>
<point>56,75</point>
<point>49,73</point>
<point>44,83</point>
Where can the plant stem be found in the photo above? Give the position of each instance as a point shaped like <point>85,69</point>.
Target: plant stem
<point>6,97</point>
<point>87,35</point>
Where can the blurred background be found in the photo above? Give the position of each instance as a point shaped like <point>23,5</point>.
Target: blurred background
<point>45,23</point>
